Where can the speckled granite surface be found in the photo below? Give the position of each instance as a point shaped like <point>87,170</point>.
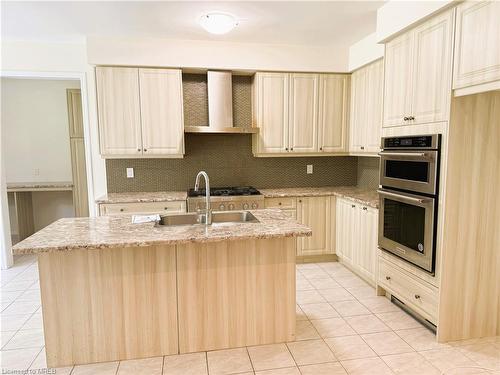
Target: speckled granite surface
<point>60,185</point>
<point>118,231</point>
<point>361,195</point>
<point>160,196</point>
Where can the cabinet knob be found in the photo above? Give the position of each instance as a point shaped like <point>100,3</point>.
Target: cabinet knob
<point>279,203</point>
<point>300,200</point>
<point>145,149</point>
<point>353,205</point>
<point>139,149</point>
<point>411,118</point>
<point>165,208</point>
<point>364,208</point>
<point>291,148</point>
<point>286,149</point>
<point>417,296</point>
<point>362,147</point>
<point>387,277</point>
<point>406,118</point>
<point>321,148</point>
<point>121,209</point>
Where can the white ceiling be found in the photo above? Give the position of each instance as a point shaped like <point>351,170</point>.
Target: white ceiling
<point>300,23</point>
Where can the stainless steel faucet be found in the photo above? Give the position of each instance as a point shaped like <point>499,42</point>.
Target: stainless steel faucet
<point>208,210</point>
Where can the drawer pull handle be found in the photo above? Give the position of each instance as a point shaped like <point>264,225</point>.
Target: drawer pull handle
<point>417,296</point>
<point>387,277</point>
<point>166,208</point>
<point>279,203</point>
<point>121,210</point>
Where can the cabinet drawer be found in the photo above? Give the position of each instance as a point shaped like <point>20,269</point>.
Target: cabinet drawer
<point>142,208</point>
<point>282,203</point>
<point>423,298</point>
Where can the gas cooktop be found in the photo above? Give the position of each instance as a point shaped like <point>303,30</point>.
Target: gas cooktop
<point>225,191</point>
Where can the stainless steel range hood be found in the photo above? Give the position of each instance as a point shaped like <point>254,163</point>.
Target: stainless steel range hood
<point>220,106</point>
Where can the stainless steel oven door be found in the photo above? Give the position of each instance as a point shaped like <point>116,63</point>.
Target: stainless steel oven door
<point>409,170</point>
<point>406,227</point>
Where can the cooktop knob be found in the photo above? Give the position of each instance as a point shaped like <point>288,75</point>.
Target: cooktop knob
<point>245,206</point>
<point>255,205</point>
<point>222,207</point>
<point>231,206</point>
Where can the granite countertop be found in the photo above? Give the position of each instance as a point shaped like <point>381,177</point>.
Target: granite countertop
<point>118,231</point>
<point>33,186</point>
<point>365,196</point>
<point>160,196</point>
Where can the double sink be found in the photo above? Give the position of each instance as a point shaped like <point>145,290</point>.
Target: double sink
<point>217,217</point>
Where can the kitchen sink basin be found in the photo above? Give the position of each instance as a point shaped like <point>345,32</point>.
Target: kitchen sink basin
<point>217,217</point>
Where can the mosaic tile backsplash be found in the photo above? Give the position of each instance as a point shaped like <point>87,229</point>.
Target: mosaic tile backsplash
<point>368,172</point>
<point>228,160</point>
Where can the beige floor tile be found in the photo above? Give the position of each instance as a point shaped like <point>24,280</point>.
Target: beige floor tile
<point>379,305</point>
<point>14,285</point>
<point>337,294</point>
<point>350,281</point>
<point>386,343</point>
<point>398,320</point>
<point>305,331</point>
<point>30,295</point>
<point>30,338</point>
<point>34,322</point>
<point>420,339</point>
<point>299,314</point>
<point>366,324</point>
<point>266,357</point>
<point>323,369</point>
<point>350,347</point>
<point>310,352</point>
<point>484,354</point>
<point>366,366</point>
<point>308,266</point>
<point>350,308</point>
<point>13,322</point>
<point>186,364</point>
<point>303,284</point>
<point>325,283</point>
<point>280,371</point>
<point>147,366</point>
<point>331,266</point>
<point>332,327</point>
<point>105,368</point>
<point>40,360</point>
<point>6,336</point>
<point>21,307</point>
<point>361,292</point>
<point>318,273</point>
<point>10,296</point>
<point>18,359</point>
<point>229,361</point>
<point>410,364</point>
<point>449,359</point>
<point>309,296</point>
<point>321,310</point>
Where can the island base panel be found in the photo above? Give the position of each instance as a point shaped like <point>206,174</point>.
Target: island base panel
<point>236,293</point>
<point>108,304</point>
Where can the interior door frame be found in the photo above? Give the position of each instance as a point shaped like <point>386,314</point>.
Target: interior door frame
<point>77,76</point>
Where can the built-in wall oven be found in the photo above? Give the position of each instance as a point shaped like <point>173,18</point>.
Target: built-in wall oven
<point>409,176</point>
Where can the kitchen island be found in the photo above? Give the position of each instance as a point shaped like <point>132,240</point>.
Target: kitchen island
<point>113,290</point>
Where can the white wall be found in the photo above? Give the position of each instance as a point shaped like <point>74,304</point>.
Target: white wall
<point>396,15</point>
<point>35,121</point>
<point>211,54</point>
<point>364,52</point>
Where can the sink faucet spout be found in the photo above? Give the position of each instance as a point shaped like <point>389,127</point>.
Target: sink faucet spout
<point>208,210</point>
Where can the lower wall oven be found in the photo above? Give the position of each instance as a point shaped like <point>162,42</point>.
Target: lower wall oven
<point>407,227</point>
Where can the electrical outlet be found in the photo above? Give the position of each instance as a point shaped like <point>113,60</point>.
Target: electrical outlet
<point>130,172</point>
<point>309,168</point>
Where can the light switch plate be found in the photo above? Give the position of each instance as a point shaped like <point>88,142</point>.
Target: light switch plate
<point>309,168</point>
<point>130,172</point>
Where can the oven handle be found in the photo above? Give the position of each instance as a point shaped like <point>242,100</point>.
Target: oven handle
<point>409,199</point>
<point>408,154</point>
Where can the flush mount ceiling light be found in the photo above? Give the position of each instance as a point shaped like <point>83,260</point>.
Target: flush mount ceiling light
<point>218,23</point>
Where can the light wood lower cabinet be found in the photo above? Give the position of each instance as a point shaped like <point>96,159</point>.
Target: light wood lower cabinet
<point>315,213</point>
<point>106,209</point>
<point>356,228</point>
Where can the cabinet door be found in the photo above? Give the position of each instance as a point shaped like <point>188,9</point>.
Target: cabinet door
<point>272,112</point>
<point>359,113</point>
<point>162,111</point>
<point>340,227</point>
<point>303,112</point>
<point>351,229</point>
<point>477,43</point>
<point>367,249</point>
<point>119,111</point>
<point>374,101</point>
<point>333,107</point>
<point>432,62</point>
<point>397,80</point>
<point>314,212</point>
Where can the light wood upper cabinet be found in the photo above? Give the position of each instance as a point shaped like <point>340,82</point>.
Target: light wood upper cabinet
<point>119,111</point>
<point>161,111</point>
<point>418,66</point>
<point>140,112</point>
<point>271,92</point>
<point>303,125</point>
<point>333,110</point>
<point>315,212</point>
<point>397,80</point>
<point>477,44</point>
<point>366,109</point>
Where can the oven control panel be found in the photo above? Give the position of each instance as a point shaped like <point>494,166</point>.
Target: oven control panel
<point>411,142</point>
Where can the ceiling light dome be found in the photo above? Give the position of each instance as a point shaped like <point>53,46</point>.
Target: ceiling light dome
<point>218,23</point>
